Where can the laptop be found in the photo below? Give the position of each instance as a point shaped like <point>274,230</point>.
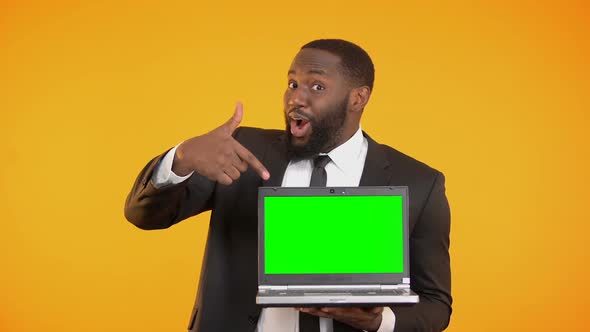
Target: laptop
<point>333,246</point>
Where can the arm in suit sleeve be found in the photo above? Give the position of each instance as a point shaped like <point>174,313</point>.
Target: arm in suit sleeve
<point>148,207</point>
<point>430,270</point>
<point>163,175</point>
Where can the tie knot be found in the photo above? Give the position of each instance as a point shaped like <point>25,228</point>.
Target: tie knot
<point>321,161</point>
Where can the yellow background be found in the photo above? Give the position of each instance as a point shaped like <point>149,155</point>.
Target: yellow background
<point>494,94</point>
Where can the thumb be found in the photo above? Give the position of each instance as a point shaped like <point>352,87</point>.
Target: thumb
<point>375,310</point>
<point>234,121</point>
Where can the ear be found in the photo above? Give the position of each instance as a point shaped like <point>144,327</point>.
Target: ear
<point>359,97</point>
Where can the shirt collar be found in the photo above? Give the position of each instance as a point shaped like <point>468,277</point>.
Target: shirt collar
<point>346,156</point>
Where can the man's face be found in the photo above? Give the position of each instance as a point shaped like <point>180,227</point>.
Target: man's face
<point>316,103</point>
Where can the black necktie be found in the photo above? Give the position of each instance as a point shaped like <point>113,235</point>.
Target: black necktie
<point>307,322</point>
<point>318,175</point>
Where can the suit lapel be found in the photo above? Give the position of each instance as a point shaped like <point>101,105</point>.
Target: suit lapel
<point>275,160</point>
<point>376,165</point>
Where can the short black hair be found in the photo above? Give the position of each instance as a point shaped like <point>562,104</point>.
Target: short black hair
<point>355,61</point>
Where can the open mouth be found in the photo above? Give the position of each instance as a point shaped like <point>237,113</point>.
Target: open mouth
<point>299,125</point>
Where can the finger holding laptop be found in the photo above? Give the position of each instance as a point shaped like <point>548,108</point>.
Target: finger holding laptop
<point>363,318</point>
<point>217,155</point>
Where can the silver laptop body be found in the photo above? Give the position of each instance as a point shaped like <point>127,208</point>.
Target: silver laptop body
<point>290,220</point>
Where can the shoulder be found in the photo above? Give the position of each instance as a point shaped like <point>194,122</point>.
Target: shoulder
<point>403,164</point>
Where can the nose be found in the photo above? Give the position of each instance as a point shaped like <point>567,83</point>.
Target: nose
<point>296,98</point>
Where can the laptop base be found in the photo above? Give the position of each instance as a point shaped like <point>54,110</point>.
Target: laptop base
<point>340,298</point>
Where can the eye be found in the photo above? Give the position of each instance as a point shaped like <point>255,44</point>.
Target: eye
<point>317,87</point>
<point>292,85</point>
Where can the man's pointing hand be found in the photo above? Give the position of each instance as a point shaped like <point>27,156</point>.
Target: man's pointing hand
<point>217,155</point>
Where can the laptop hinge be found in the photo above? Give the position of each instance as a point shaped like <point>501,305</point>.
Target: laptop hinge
<point>337,287</point>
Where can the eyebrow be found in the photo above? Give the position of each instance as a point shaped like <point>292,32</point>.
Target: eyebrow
<point>311,71</point>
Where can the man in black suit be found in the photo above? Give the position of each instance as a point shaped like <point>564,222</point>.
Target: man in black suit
<point>329,84</point>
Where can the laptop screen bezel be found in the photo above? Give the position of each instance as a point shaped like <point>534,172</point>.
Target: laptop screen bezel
<point>340,278</point>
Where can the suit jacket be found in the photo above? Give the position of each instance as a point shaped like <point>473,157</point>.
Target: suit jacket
<point>228,283</point>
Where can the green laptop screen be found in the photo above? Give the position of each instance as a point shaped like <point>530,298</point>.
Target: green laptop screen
<point>333,234</point>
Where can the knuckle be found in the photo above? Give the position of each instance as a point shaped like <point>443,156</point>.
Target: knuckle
<point>221,159</point>
<point>250,157</point>
<point>243,166</point>
<point>227,151</point>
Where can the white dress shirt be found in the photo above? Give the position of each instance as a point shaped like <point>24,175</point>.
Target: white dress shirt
<point>344,170</point>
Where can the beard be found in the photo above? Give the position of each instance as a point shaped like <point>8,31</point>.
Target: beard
<point>326,131</point>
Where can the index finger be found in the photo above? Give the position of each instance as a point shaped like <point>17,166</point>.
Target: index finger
<point>248,157</point>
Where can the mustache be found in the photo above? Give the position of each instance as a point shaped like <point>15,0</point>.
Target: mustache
<point>298,113</point>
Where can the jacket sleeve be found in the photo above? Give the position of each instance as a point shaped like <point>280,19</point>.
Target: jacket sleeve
<point>430,270</point>
<point>150,208</point>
